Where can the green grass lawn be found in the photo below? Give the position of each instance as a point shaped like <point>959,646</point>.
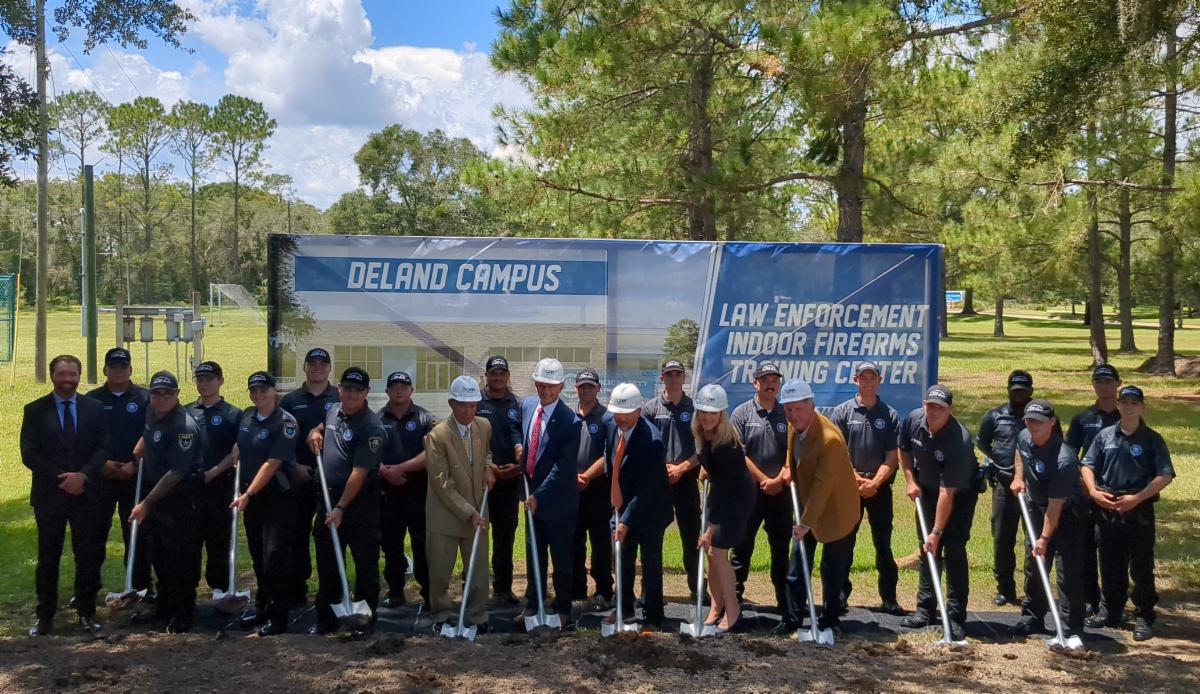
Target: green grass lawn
<point>972,362</point>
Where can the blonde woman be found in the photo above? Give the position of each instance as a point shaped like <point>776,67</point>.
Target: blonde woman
<point>730,501</point>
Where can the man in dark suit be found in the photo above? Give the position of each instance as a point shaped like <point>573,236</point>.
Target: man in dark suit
<point>551,435</point>
<point>64,442</point>
<point>635,457</point>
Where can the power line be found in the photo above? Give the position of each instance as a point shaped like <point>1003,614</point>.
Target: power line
<point>122,68</point>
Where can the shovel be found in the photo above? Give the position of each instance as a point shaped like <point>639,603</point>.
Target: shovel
<point>461,632</point>
<point>541,619</point>
<point>356,615</point>
<point>698,629</point>
<point>606,629</point>
<point>232,600</point>
<point>936,579</point>
<point>129,596</point>
<point>822,637</point>
<point>1060,643</point>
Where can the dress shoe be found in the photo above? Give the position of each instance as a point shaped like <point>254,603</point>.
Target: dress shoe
<point>892,607</point>
<point>322,628</point>
<point>504,599</point>
<point>72,602</point>
<point>824,623</point>
<point>958,631</point>
<point>145,617</point>
<point>1027,627</point>
<point>915,621</point>
<point>1102,619</point>
<point>150,597</point>
<point>394,600</point>
<point>252,617</point>
<point>785,627</point>
<point>88,623</point>
<point>42,628</point>
<point>566,623</point>
<point>179,625</point>
<point>1001,600</point>
<point>272,628</point>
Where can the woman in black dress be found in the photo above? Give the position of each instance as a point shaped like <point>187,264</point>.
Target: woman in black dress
<point>730,501</point>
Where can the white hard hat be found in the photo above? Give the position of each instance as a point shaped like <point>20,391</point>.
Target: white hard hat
<point>465,389</point>
<point>625,398</point>
<point>712,398</point>
<point>549,370</point>
<point>795,390</point>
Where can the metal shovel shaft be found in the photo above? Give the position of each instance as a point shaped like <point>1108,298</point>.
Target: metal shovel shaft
<point>812,609</point>
<point>237,473</point>
<point>133,531</point>
<point>934,577</point>
<point>698,624</point>
<point>337,542</point>
<point>1045,576</point>
<point>537,569</point>
<point>462,609</point>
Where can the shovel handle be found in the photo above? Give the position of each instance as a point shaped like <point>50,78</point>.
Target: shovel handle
<point>1042,573</point>
<point>812,609</point>
<point>934,578</point>
<point>537,569</point>
<point>133,531</point>
<point>333,534</point>
<point>462,610</point>
<point>237,472</point>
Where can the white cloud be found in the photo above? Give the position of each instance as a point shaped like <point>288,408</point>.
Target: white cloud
<point>314,66</point>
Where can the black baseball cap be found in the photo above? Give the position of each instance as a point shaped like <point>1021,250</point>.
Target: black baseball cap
<point>1020,380</point>
<point>766,369</point>
<point>355,377</point>
<point>866,366</point>
<point>398,377</point>
<point>1131,392</point>
<point>1105,372</point>
<point>163,380</point>
<point>208,368</point>
<point>588,375</point>
<point>672,365</point>
<point>496,362</point>
<point>317,354</point>
<point>1039,410</point>
<point>940,395</point>
<point>260,379</point>
<point>117,355</point>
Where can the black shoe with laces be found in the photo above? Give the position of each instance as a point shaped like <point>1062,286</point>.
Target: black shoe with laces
<point>42,628</point>
<point>892,607</point>
<point>1102,619</point>
<point>915,621</point>
<point>785,627</point>
<point>1143,629</point>
<point>1001,600</point>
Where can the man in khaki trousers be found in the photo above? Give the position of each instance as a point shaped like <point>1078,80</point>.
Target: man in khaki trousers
<point>458,458</point>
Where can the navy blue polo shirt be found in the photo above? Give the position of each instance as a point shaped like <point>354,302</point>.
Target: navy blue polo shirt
<point>1085,425</point>
<point>1126,464</point>
<point>945,459</point>
<point>174,443</point>
<point>351,441</point>
<point>764,432</point>
<point>260,440</point>
<point>125,415</point>
<point>309,410</point>
<point>405,441</point>
<point>674,422</point>
<point>870,433</point>
<point>504,414</point>
<point>1051,471</point>
<point>220,423</point>
<point>998,436</point>
<point>591,439</point>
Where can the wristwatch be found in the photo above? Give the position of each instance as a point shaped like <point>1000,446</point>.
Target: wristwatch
<point>937,532</point>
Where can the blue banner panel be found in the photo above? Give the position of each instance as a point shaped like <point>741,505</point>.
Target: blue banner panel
<point>437,307</point>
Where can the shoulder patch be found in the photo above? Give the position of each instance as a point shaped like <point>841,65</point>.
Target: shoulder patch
<point>185,441</point>
<point>375,443</point>
<point>289,430</point>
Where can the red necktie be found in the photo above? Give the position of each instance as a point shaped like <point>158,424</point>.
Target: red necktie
<point>535,440</point>
<point>618,458</point>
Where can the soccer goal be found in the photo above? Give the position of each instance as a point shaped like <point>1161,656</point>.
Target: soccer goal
<point>237,297</point>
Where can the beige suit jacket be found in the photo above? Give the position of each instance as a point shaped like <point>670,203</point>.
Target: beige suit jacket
<point>455,486</point>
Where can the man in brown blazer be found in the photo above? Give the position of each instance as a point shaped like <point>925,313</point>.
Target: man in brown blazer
<point>824,479</point>
<point>458,457</point>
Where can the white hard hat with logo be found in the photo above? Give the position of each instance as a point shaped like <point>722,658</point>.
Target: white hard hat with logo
<point>712,398</point>
<point>795,390</point>
<point>549,370</point>
<point>625,398</point>
<point>465,389</point>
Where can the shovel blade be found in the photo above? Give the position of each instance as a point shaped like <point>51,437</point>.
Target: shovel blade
<point>825,637</point>
<point>469,633</point>
<point>532,622</point>
<point>1072,644</point>
<point>356,617</point>
<point>124,600</point>
<point>947,641</point>
<point>607,630</point>
<point>449,631</point>
<point>553,621</point>
<point>694,630</point>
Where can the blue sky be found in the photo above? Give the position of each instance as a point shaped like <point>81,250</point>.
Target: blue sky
<point>329,71</point>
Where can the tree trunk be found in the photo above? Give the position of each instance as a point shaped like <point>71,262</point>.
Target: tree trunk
<point>849,180</point>
<point>1095,312</point>
<point>235,258</point>
<point>998,322</point>
<point>968,308</point>
<point>192,246</point>
<point>702,211</point>
<point>147,233</point>
<point>43,203</point>
<point>1163,362</point>
<point>1124,288</point>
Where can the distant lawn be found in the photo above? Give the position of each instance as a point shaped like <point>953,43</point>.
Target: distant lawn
<point>972,362</point>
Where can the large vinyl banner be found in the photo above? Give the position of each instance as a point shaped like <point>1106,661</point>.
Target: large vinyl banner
<point>439,307</point>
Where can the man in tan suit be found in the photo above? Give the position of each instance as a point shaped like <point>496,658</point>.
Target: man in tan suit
<point>458,457</point>
<point>824,479</point>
